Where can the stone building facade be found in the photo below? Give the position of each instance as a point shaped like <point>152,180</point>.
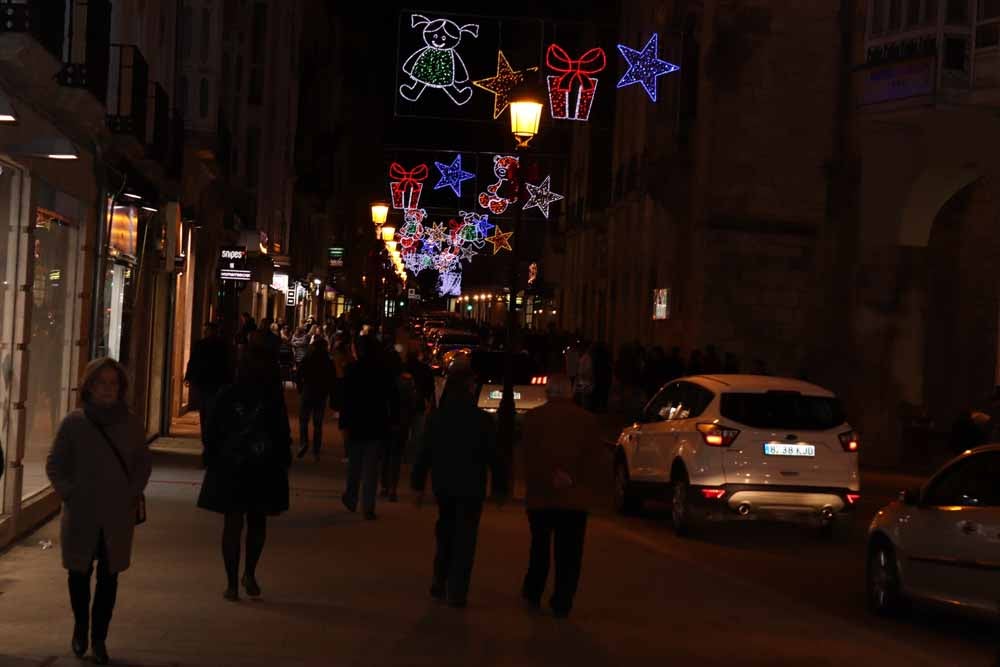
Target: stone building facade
<point>718,191</point>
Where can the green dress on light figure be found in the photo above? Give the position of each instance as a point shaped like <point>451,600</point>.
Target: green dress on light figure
<point>433,67</point>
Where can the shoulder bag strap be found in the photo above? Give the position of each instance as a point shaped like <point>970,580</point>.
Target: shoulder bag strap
<point>114,449</point>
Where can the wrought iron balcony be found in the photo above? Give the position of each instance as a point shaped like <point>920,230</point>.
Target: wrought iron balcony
<point>75,32</point>
<point>42,19</point>
<point>128,91</point>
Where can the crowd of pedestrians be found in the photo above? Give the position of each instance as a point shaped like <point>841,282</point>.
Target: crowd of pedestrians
<point>383,393</point>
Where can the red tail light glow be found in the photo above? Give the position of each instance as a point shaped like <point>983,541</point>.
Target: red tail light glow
<point>853,498</point>
<point>717,436</point>
<point>850,441</point>
<point>540,380</point>
<point>713,494</point>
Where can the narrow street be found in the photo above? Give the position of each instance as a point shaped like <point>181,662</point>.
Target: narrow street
<point>340,590</point>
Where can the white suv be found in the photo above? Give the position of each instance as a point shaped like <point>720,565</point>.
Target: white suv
<point>740,446</point>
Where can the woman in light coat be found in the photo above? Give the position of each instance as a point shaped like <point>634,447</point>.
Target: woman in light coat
<point>99,465</point>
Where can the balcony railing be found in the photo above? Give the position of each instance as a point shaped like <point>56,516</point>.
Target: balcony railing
<point>75,32</point>
<point>128,91</point>
<point>87,47</point>
<point>42,19</point>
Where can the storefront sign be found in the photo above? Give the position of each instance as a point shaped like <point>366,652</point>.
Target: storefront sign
<point>661,304</point>
<point>291,296</point>
<point>124,230</point>
<point>232,264</point>
<point>896,81</point>
<point>336,257</point>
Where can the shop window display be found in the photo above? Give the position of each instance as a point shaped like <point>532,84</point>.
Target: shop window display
<point>54,317</point>
<point>10,208</point>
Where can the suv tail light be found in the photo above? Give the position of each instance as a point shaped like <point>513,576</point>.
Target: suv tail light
<point>717,436</point>
<point>540,380</point>
<point>850,441</point>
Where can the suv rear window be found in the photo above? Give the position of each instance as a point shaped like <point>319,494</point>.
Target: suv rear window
<point>488,367</point>
<point>784,410</point>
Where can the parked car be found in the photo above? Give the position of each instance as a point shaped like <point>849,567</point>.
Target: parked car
<point>447,340</point>
<point>741,447</point>
<point>941,543</point>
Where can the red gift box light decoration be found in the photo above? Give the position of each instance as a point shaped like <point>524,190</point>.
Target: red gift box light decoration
<point>571,92</point>
<point>406,185</point>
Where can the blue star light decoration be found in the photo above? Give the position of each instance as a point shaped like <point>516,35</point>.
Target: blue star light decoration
<point>541,196</point>
<point>452,175</point>
<point>645,66</point>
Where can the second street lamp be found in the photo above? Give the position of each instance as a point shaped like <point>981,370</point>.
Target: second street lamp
<point>526,104</point>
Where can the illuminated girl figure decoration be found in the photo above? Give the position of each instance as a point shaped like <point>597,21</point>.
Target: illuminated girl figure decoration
<point>438,64</point>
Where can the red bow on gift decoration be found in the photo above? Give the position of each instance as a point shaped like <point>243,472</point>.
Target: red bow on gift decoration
<point>575,71</point>
<point>408,178</point>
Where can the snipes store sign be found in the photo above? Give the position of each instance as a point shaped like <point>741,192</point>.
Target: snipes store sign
<point>232,264</point>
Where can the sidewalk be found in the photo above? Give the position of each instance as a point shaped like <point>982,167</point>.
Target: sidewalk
<point>342,591</point>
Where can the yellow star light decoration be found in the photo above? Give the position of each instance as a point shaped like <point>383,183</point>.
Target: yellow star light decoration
<point>500,240</point>
<point>500,85</point>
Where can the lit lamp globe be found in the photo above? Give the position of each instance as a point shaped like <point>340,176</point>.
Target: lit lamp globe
<point>380,211</point>
<point>388,233</point>
<point>526,104</point>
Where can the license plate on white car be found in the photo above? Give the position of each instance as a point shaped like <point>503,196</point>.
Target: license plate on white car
<point>784,449</point>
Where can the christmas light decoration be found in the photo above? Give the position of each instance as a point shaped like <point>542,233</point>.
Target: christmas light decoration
<point>412,228</point>
<point>450,283</point>
<point>500,240</point>
<point>574,81</point>
<point>505,169</point>
<point>413,262</point>
<point>645,66</point>
<point>505,80</point>
<point>435,235</point>
<point>468,252</point>
<point>481,222</point>
<point>438,65</point>
<point>541,196</point>
<point>452,175</point>
<point>406,185</point>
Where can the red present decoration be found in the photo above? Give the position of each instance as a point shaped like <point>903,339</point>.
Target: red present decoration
<point>406,185</point>
<point>571,92</point>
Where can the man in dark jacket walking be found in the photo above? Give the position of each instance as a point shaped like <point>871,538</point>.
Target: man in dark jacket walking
<point>316,374</point>
<point>459,444</point>
<point>208,370</point>
<point>566,476</point>
<point>371,408</point>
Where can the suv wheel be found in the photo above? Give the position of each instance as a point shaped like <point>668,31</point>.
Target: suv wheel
<point>680,506</point>
<point>883,588</point>
<point>626,501</point>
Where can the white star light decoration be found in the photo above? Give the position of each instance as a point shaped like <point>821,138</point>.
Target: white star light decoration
<point>541,196</point>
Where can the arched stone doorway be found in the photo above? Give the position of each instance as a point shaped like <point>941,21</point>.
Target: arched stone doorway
<point>944,356</point>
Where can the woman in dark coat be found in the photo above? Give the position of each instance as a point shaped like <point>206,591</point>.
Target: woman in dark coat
<point>99,465</point>
<point>247,455</point>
